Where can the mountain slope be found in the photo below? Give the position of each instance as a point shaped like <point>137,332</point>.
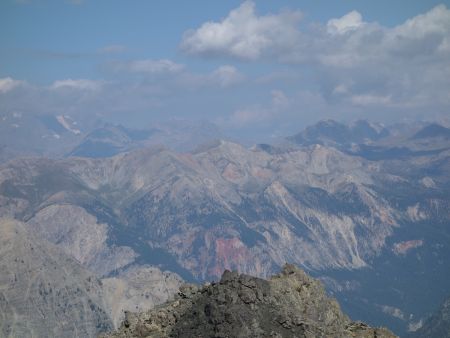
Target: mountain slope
<point>437,325</point>
<point>44,293</point>
<point>346,219</point>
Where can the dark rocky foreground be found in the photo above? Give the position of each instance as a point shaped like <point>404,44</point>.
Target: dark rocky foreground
<point>290,304</point>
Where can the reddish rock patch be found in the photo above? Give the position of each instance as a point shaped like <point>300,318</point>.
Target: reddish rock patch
<point>231,254</point>
<point>401,248</point>
<point>232,173</point>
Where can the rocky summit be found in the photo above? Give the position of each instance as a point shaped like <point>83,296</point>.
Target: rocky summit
<point>289,304</point>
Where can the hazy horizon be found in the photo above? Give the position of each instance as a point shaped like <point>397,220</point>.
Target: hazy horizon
<point>255,69</point>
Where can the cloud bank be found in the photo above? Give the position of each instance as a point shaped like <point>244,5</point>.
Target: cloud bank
<point>243,34</point>
<point>276,70</point>
<point>355,64</point>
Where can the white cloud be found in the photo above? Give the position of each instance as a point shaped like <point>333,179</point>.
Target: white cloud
<point>340,89</point>
<point>242,117</point>
<point>404,66</point>
<point>436,20</point>
<point>258,114</point>
<point>226,76</point>
<point>279,99</point>
<point>427,33</point>
<point>149,66</point>
<point>344,68</point>
<point>223,76</point>
<point>7,84</point>
<point>155,66</point>
<point>345,42</point>
<point>78,84</point>
<point>348,22</point>
<point>243,34</point>
<point>367,100</point>
<point>112,49</point>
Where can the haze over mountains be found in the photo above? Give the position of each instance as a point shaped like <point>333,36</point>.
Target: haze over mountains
<point>61,136</point>
<point>362,207</point>
<point>148,144</point>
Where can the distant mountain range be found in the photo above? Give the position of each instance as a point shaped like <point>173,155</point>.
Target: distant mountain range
<point>330,132</point>
<point>364,208</point>
<point>375,141</point>
<point>61,136</point>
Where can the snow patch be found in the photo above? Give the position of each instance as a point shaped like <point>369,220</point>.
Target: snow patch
<point>412,327</point>
<point>428,182</point>
<point>66,124</point>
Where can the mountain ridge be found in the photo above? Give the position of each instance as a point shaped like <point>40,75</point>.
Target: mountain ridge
<point>345,218</point>
<point>289,304</point>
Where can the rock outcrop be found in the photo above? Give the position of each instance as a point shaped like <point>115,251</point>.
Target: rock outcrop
<point>290,304</point>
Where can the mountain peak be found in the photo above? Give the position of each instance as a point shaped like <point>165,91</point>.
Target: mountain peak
<point>432,130</point>
<point>289,304</point>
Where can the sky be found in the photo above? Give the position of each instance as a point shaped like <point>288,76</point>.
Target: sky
<point>261,68</point>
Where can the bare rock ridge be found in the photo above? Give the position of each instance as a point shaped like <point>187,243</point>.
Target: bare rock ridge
<point>289,304</point>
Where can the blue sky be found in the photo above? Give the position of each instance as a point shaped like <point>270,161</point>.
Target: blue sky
<point>251,67</point>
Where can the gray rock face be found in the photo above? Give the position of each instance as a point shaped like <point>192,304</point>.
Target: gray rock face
<point>290,304</point>
<point>43,292</point>
<point>81,236</point>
